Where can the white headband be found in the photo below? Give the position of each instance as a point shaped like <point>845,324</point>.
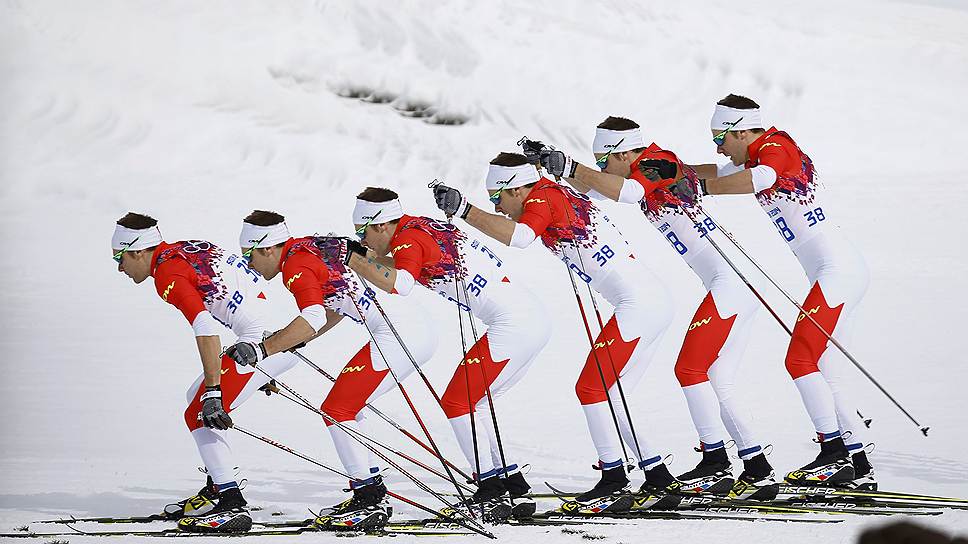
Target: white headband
<point>734,119</point>
<point>256,236</point>
<point>510,177</point>
<point>135,240</point>
<point>376,213</point>
<point>617,141</point>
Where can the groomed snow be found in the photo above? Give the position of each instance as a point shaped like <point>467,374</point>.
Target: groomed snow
<point>199,112</point>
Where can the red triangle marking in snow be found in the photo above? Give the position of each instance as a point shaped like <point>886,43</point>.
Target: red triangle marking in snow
<point>262,295</point>
<point>506,280</point>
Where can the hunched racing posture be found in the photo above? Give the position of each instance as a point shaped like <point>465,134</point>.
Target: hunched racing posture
<point>582,236</point>
<point>314,270</point>
<point>212,289</point>
<point>666,191</point>
<point>438,256</point>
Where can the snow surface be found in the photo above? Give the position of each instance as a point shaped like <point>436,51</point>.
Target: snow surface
<point>198,112</point>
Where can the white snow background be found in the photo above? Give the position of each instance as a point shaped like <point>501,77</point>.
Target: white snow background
<point>199,112</point>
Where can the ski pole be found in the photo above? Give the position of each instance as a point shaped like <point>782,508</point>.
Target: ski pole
<point>349,432</point>
<point>608,351</point>
<point>382,415</point>
<point>397,496</point>
<point>598,364</point>
<point>371,294</point>
<point>382,445</point>
<point>803,312</point>
<point>486,381</point>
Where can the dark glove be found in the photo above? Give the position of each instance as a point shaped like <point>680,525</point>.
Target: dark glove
<point>213,415</point>
<point>247,353</point>
<point>352,246</point>
<point>685,191</point>
<point>659,170</point>
<point>557,163</point>
<point>531,149</point>
<point>450,201</point>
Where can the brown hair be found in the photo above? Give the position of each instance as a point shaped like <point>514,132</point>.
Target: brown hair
<point>509,159</point>
<point>137,221</point>
<point>262,218</point>
<point>377,194</point>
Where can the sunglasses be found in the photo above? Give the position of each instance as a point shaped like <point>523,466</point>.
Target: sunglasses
<point>720,138</point>
<point>495,197</point>
<point>117,256</point>
<point>361,232</point>
<point>248,253</point>
<point>603,161</point>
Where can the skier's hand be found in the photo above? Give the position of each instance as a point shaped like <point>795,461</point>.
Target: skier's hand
<point>557,163</point>
<point>247,353</point>
<point>659,170</point>
<point>213,414</point>
<point>451,201</point>
<point>532,149</point>
<point>352,246</point>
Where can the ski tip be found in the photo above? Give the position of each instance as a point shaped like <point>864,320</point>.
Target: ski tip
<point>924,430</point>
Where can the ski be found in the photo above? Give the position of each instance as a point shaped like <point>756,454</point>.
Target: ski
<point>793,505</point>
<point>788,490</point>
<point>737,514</point>
<point>420,527</point>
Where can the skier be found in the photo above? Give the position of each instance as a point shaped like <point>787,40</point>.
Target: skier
<point>212,289</point>
<point>579,233</point>
<point>464,271</point>
<point>770,164</point>
<point>314,270</point>
<point>720,328</point>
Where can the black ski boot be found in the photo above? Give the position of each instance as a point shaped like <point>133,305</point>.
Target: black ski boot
<point>832,467</point>
<point>863,473</point>
<point>228,516</point>
<point>366,510</point>
<point>712,476</point>
<point>610,494</point>
<point>491,501</point>
<point>522,506</point>
<point>655,492</point>
<point>196,505</point>
<point>757,481</point>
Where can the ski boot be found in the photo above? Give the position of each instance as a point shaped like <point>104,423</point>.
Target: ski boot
<point>831,467</point>
<point>522,506</point>
<point>610,494</point>
<point>228,516</point>
<point>196,505</point>
<point>863,473</point>
<point>756,482</point>
<point>654,493</point>
<point>367,510</point>
<point>712,476</point>
<point>491,500</point>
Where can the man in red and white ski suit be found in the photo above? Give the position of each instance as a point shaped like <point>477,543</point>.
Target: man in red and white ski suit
<point>464,271</point>
<point>596,253</point>
<point>720,329</point>
<point>214,290</point>
<point>314,270</point>
<point>770,164</point>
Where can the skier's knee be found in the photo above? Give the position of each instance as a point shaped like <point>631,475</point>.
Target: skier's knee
<point>453,406</point>
<point>799,367</point>
<point>340,411</point>
<point>192,416</point>
<point>589,393</point>
<point>689,374</point>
